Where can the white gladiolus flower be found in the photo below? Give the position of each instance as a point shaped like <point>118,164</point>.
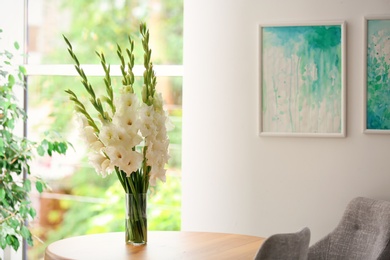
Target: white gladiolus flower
<point>81,121</point>
<point>133,163</point>
<point>126,132</point>
<point>168,123</point>
<point>100,163</point>
<point>128,121</point>
<point>154,175</point>
<point>126,160</point>
<point>96,146</point>
<point>154,131</point>
<point>127,102</point>
<point>107,134</point>
<point>147,127</point>
<point>89,135</point>
<point>107,167</point>
<point>158,102</point>
<point>129,133</point>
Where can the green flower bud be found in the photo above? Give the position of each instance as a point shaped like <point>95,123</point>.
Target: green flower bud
<point>144,94</point>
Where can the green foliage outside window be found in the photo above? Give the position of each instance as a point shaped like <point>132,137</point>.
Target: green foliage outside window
<point>96,205</point>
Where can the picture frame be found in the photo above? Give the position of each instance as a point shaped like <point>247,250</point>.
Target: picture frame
<point>376,64</point>
<point>302,79</point>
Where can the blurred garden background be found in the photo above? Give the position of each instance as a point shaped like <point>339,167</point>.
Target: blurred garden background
<point>78,201</point>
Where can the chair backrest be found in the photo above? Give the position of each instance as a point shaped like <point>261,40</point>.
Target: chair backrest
<point>362,234</point>
<point>288,246</point>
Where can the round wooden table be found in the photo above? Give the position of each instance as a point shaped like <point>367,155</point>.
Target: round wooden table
<point>161,245</point>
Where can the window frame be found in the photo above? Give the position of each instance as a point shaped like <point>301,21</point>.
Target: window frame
<point>69,70</point>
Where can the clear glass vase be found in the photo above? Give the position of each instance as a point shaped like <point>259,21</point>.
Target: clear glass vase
<point>136,219</point>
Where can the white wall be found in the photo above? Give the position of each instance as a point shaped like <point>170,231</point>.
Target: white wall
<point>235,181</point>
<point>11,22</point>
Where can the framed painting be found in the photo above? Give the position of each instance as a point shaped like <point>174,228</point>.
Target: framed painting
<point>302,80</point>
<point>377,75</point>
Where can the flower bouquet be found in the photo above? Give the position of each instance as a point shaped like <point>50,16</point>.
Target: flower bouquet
<point>129,135</point>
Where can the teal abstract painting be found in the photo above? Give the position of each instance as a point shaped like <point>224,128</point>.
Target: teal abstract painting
<point>302,80</point>
<point>377,74</point>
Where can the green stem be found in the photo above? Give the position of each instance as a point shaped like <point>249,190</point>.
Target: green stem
<point>121,179</point>
<point>138,231</point>
<point>138,205</point>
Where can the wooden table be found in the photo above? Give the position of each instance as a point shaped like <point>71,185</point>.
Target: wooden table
<point>161,245</point>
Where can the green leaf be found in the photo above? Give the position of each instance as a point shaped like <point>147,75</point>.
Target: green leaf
<point>13,241</point>
<point>11,80</point>
<point>2,194</point>
<point>8,54</point>
<point>30,241</point>
<point>40,150</point>
<point>39,186</point>
<point>2,150</point>
<point>16,45</point>
<point>25,232</point>
<point>23,211</point>
<point>61,147</point>
<point>27,185</point>
<point>32,212</point>
<point>3,242</point>
<point>14,223</point>
<point>23,70</point>
<point>45,144</point>
<point>50,148</point>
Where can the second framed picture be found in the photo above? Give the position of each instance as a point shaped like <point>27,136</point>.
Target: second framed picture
<point>377,75</point>
<point>302,80</point>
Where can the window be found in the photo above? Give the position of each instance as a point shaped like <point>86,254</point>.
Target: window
<point>80,202</point>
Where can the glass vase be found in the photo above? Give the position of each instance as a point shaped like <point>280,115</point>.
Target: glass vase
<point>136,219</point>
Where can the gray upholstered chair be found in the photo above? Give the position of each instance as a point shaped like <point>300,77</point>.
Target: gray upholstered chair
<point>362,234</point>
<point>288,246</point>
